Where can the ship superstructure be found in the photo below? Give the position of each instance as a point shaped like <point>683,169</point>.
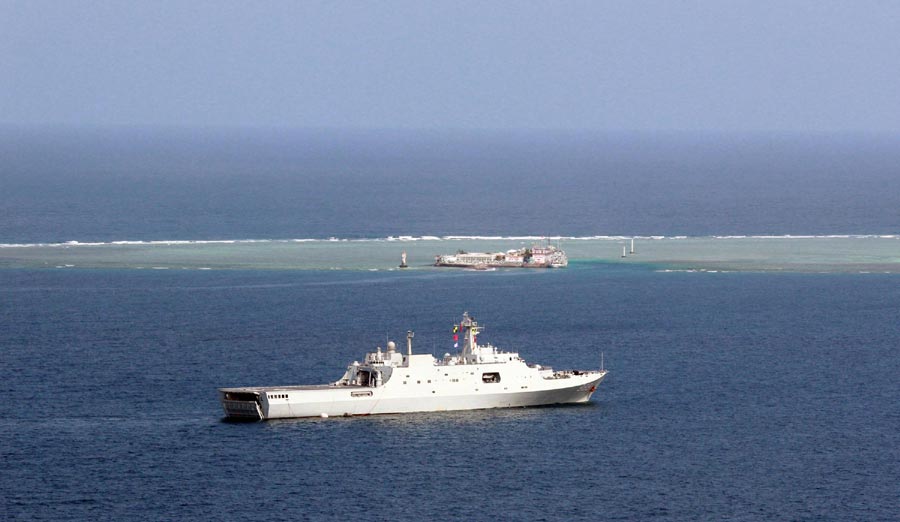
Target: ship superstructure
<point>478,377</point>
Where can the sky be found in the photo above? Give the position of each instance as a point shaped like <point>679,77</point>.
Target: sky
<point>630,65</point>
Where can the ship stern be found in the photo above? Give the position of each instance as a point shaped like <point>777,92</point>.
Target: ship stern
<point>241,405</point>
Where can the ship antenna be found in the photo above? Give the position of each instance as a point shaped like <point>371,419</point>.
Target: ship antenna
<point>601,361</point>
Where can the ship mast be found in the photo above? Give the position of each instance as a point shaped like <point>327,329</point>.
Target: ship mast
<point>471,331</point>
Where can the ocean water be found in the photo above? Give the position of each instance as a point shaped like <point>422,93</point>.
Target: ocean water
<point>730,396</point>
<point>149,185</point>
<point>751,340</point>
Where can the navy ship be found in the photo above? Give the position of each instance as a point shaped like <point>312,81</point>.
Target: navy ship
<point>480,376</point>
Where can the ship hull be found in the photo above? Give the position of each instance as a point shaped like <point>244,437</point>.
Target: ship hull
<point>322,401</point>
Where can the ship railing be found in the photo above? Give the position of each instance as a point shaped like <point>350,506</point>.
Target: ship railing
<point>565,374</point>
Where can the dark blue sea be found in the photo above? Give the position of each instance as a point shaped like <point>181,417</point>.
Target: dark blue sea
<point>731,396</point>
<point>127,184</point>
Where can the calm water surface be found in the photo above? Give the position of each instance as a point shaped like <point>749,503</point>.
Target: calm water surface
<point>187,185</point>
<point>730,397</point>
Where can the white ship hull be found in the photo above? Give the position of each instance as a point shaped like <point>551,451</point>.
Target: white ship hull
<point>329,400</point>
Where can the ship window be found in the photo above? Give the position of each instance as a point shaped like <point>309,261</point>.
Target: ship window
<point>490,377</point>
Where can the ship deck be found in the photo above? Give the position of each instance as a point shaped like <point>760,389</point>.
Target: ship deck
<point>300,387</point>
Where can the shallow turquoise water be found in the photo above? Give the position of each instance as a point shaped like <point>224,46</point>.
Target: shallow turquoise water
<point>785,253</point>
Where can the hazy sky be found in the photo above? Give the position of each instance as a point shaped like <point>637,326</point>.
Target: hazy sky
<point>625,65</point>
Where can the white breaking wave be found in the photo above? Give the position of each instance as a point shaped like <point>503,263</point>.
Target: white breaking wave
<point>431,238</point>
